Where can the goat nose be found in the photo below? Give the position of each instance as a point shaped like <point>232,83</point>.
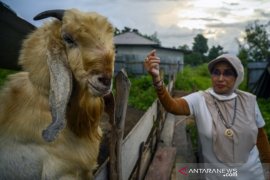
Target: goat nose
<point>105,80</point>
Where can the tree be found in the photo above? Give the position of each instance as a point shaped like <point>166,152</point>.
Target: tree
<point>126,29</point>
<point>154,37</point>
<point>243,56</point>
<point>200,44</point>
<point>199,48</point>
<point>193,59</point>
<point>215,51</point>
<point>184,47</point>
<point>117,31</point>
<point>256,42</point>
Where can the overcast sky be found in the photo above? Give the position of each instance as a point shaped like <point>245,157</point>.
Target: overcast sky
<point>176,22</point>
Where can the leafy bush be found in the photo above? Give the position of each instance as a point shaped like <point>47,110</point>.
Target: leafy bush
<point>198,78</point>
<point>3,75</point>
<point>142,93</point>
<point>193,79</point>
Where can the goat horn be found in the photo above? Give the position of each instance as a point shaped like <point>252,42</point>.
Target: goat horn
<point>60,91</point>
<point>58,13</point>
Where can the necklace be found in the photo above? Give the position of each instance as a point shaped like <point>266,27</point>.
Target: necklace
<point>228,132</point>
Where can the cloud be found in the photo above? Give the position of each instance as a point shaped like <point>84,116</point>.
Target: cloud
<point>261,13</point>
<point>205,19</point>
<point>176,22</point>
<point>230,3</point>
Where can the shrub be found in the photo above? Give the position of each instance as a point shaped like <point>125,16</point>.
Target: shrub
<point>3,75</point>
<point>142,93</point>
<point>193,79</point>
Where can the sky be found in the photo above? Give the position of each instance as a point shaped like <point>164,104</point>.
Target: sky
<point>176,22</point>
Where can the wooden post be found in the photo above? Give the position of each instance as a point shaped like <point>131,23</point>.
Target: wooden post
<point>117,125</point>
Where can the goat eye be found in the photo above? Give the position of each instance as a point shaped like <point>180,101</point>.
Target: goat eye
<point>68,39</point>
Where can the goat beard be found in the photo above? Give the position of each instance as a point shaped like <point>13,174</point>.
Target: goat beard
<point>84,113</point>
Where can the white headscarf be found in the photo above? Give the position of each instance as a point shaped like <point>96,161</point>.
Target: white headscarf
<point>236,64</point>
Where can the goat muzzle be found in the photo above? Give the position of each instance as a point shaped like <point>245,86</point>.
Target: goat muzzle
<point>105,80</point>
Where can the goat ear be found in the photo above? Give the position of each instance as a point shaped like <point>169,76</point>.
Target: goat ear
<point>60,91</point>
<point>58,13</point>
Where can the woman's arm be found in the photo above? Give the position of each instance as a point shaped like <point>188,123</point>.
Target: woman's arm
<point>263,146</point>
<point>176,106</point>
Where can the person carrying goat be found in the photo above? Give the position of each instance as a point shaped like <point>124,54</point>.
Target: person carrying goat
<point>50,112</point>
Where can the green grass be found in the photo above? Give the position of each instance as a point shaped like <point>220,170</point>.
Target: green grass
<point>142,93</point>
<point>193,79</point>
<point>3,75</point>
<point>198,78</point>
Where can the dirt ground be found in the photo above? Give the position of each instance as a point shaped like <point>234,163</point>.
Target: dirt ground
<point>133,115</point>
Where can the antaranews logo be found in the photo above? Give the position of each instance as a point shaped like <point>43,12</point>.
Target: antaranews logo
<point>206,170</point>
<point>183,171</point>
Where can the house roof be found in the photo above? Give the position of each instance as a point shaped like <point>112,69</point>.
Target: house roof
<point>132,38</point>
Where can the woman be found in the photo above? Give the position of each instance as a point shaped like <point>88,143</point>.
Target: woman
<point>229,122</point>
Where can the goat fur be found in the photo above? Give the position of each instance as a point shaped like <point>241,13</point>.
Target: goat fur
<point>25,107</point>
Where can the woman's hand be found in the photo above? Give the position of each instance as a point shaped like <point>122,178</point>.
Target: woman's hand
<point>151,64</point>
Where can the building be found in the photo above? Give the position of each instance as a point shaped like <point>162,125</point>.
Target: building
<point>13,30</point>
<point>259,78</point>
<point>132,48</point>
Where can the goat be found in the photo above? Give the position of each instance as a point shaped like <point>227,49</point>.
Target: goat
<point>50,112</point>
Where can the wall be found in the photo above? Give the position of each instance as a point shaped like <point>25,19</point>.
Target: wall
<point>132,57</point>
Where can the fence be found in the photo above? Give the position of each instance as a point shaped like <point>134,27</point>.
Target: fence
<point>131,156</point>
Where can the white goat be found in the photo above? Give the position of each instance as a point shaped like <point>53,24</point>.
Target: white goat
<point>68,64</point>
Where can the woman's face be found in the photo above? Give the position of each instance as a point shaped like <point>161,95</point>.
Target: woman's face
<point>223,78</point>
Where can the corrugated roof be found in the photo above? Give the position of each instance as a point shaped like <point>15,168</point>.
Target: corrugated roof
<point>132,38</point>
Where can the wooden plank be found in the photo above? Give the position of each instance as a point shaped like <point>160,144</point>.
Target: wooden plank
<point>117,124</point>
<point>143,164</point>
<point>162,164</point>
<point>102,172</point>
<point>139,134</point>
<point>166,136</point>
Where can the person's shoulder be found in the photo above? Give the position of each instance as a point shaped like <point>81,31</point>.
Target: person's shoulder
<point>198,95</point>
<point>245,94</point>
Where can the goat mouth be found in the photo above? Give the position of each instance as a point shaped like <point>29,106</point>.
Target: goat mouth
<point>99,91</point>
